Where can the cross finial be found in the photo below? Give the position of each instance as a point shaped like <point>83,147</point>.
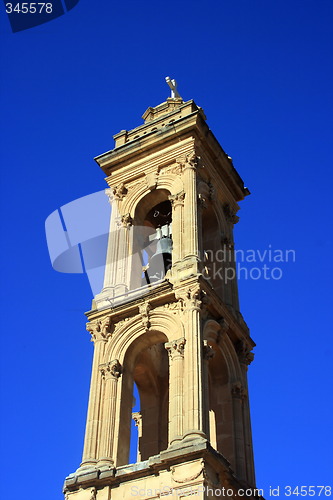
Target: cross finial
<point>173,86</point>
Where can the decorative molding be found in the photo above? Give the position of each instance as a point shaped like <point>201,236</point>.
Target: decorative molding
<point>112,369</point>
<point>93,493</point>
<point>100,329</point>
<point>176,347</point>
<point>174,307</point>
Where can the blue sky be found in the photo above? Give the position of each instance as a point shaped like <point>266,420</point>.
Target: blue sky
<point>262,71</point>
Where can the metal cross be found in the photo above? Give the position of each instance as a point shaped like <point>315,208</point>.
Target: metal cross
<point>173,86</point>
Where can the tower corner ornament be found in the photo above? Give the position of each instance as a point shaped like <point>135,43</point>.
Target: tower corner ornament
<point>166,326</point>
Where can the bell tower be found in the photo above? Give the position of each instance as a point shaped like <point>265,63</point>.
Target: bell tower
<point>168,320</point>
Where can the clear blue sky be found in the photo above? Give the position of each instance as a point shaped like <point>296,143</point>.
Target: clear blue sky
<point>262,71</point>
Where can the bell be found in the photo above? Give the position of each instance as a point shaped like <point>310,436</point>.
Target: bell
<point>161,261</point>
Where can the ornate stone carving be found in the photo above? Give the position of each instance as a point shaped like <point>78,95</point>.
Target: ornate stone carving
<point>151,180</point>
<point>229,214</point>
<point>192,159</point>
<point>173,307</point>
<point>112,369</point>
<point>119,191</point>
<point>238,391</point>
<point>100,329</point>
<point>177,199</point>
<point>176,347</point>
<point>144,310</point>
<point>244,355</point>
<point>124,221</point>
<point>93,493</point>
<point>191,297</point>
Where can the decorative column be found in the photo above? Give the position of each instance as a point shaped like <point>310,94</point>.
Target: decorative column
<point>100,331</point>
<point>110,372</point>
<point>238,394</point>
<point>194,422</point>
<point>232,286</point>
<point>177,202</point>
<point>137,417</point>
<point>190,208</point>
<point>176,363</point>
<point>245,359</point>
<point>115,278</point>
<point>208,353</point>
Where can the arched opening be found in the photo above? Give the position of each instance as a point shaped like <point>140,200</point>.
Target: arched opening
<point>151,375</point>
<point>220,407</point>
<point>216,255</point>
<point>147,378</point>
<point>153,237</point>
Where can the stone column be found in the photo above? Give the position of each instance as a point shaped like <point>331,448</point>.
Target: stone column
<point>194,421</point>
<point>190,208</point>
<point>208,353</point>
<point>238,395</point>
<point>177,202</point>
<point>110,373</point>
<point>137,417</point>
<point>245,358</point>
<point>100,333</point>
<point>116,269</point>
<point>176,393</point>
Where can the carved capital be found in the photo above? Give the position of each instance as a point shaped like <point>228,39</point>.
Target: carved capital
<point>100,329</point>
<point>230,215</point>
<point>244,355</point>
<point>144,310</point>
<point>124,221</point>
<point>119,191</point>
<point>238,391</point>
<point>109,194</point>
<point>176,347</point>
<point>137,417</point>
<point>192,159</point>
<point>177,199</point>
<point>112,369</point>
<point>191,297</point>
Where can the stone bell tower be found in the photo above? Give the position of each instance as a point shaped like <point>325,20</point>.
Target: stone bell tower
<point>168,320</point>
